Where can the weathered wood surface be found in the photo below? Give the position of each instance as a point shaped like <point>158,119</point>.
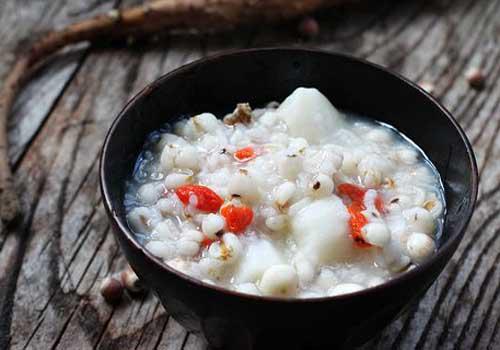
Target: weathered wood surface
<point>52,262</point>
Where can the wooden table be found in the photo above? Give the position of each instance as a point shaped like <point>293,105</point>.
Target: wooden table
<point>51,264</point>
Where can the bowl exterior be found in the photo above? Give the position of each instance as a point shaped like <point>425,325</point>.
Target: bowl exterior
<point>234,321</point>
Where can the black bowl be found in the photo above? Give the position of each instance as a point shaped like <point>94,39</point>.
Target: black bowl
<point>232,320</point>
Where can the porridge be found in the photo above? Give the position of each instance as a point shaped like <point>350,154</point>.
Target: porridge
<point>294,199</point>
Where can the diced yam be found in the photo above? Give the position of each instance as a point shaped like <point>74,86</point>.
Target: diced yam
<point>309,114</point>
<point>321,230</point>
<point>260,255</point>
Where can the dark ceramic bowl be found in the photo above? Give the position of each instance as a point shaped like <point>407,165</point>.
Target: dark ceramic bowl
<point>231,320</point>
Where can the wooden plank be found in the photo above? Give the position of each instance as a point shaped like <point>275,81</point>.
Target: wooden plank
<point>66,237</point>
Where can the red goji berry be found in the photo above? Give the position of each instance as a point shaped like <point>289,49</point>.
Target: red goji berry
<point>206,199</point>
<point>245,154</point>
<point>356,222</point>
<point>237,217</point>
<point>354,192</point>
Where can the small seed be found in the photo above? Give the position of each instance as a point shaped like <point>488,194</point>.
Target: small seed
<point>316,185</point>
<point>131,281</point>
<point>308,27</point>
<point>111,290</point>
<point>475,78</point>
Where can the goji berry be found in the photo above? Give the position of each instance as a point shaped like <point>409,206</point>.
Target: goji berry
<point>354,192</point>
<point>245,154</point>
<point>206,199</point>
<point>357,221</point>
<point>237,217</point>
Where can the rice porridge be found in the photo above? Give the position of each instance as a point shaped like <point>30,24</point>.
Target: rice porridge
<point>294,199</point>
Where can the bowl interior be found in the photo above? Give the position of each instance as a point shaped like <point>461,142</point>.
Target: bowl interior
<point>259,76</point>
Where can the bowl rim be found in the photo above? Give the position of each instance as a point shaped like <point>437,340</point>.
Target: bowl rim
<point>398,280</point>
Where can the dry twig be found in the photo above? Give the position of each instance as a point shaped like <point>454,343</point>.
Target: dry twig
<point>139,21</point>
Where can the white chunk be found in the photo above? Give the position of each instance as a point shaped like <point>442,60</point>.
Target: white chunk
<point>142,219</point>
<point>376,233</point>
<point>268,119</point>
<point>344,288</point>
<point>298,206</point>
<point>260,255</point>
<point>187,247</point>
<point>305,269</point>
<point>277,223</point>
<point>289,166</point>
<point>207,122</point>
<point>326,279</point>
<point>174,180</point>
<point>321,186</point>
<point>187,158</point>
<point>169,206</point>
<point>325,161</point>
<point>228,250</point>
<point>212,223</point>
<point>193,235</point>
<point>212,268</point>
<point>394,257</point>
<point>297,145</point>
<point>149,193</point>
<point>162,250</point>
<point>167,157</point>
<point>419,220</point>
<point>166,230</point>
<point>171,139</point>
<point>321,230</point>
<point>279,280</point>
<point>284,192</point>
<point>420,247</point>
<point>244,186</point>
<point>350,160</point>
<point>309,114</point>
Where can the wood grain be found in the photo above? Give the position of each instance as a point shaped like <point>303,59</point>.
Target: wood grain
<point>51,263</point>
